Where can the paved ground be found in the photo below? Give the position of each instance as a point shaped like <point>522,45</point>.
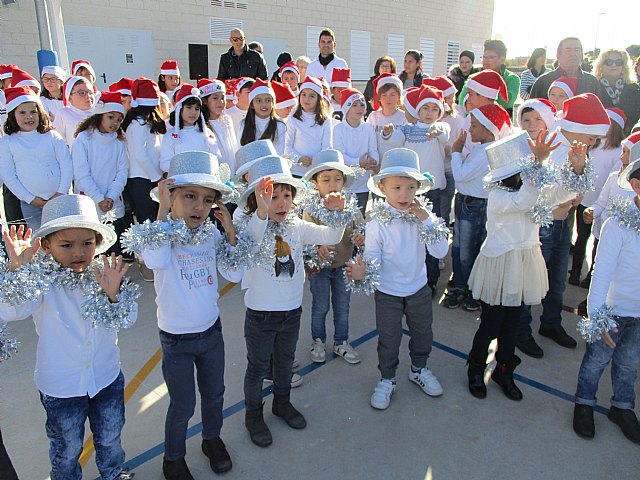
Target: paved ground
<point>459,436</point>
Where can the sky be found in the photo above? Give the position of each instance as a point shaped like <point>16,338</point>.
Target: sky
<point>526,24</point>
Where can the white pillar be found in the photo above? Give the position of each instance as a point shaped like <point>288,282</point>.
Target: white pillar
<point>56,24</point>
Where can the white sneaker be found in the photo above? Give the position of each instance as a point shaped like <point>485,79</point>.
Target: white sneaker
<point>296,364</point>
<point>347,352</point>
<point>382,394</point>
<point>427,381</point>
<point>318,354</point>
<point>296,380</point>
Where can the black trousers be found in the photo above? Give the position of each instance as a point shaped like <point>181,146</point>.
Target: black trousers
<point>496,321</point>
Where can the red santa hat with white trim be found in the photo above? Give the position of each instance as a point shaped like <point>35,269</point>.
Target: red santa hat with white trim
<point>6,70</point>
<point>545,109</point>
<point>78,64</point>
<point>122,86</point>
<point>68,86</point>
<point>441,83</point>
<point>584,113</point>
<point>109,102</point>
<point>326,90</point>
<point>348,97</point>
<point>261,87</point>
<point>490,84</point>
<point>341,77</point>
<point>55,70</point>
<point>285,97</point>
<point>230,85</point>
<point>312,83</point>
<point>184,92</point>
<point>145,93</point>
<point>290,67</point>
<point>632,142</point>
<point>20,78</point>
<point>569,85</point>
<point>170,67</point>
<point>16,96</point>
<point>495,119</point>
<point>617,115</point>
<point>410,101</point>
<point>430,94</point>
<point>382,80</point>
<point>210,86</point>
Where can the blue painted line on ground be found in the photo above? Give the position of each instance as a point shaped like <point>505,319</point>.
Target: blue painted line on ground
<point>239,406</point>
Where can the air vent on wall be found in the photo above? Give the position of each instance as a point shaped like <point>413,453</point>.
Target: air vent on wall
<point>241,5</point>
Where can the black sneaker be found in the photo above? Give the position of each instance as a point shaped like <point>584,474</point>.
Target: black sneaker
<point>527,345</point>
<point>454,298</point>
<point>558,335</point>
<point>627,421</point>
<point>216,452</point>
<point>176,470</point>
<point>470,304</point>
<point>583,423</point>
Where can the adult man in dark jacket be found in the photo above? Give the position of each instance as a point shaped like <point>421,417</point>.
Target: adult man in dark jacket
<point>569,57</point>
<point>239,61</point>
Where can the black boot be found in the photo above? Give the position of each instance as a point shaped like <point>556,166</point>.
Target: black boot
<point>503,376</point>
<point>258,430</point>
<point>282,408</point>
<point>583,423</point>
<point>176,470</point>
<point>216,451</point>
<point>627,421</point>
<point>475,372</point>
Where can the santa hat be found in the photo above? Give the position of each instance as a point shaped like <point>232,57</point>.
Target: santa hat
<point>348,97</point>
<point>184,93</point>
<point>55,70</point>
<point>617,115</point>
<point>568,85</point>
<point>169,67</point>
<point>109,102</point>
<point>410,100</point>
<point>208,87</point>
<point>261,87</point>
<point>230,85</point>
<point>632,142</point>
<point>441,83</point>
<point>145,93</point>
<point>18,95</point>
<point>326,89</point>
<point>20,78</point>
<point>312,83</point>
<point>242,81</point>
<point>284,95</point>
<point>6,69</point>
<point>584,113</point>
<point>68,86</point>
<point>290,67</point>
<point>494,118</point>
<point>544,107</point>
<point>488,83</point>
<point>341,77</point>
<point>382,80</point>
<point>78,64</point>
<point>122,86</point>
<point>428,94</point>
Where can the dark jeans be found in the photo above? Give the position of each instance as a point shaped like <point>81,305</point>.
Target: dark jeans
<point>138,190</point>
<point>580,247</point>
<point>65,428</point>
<point>447,197</point>
<point>269,334</point>
<point>180,353</point>
<point>120,225</point>
<point>469,231</point>
<point>436,197</point>
<point>416,309</point>
<point>7,472</point>
<point>12,208</point>
<point>555,241</point>
<point>329,289</point>
<point>362,201</point>
<point>496,321</point>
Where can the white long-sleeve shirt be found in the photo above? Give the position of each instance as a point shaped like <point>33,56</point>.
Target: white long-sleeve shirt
<point>3,112</point>
<point>379,120</point>
<point>67,120</point>
<point>237,116</point>
<point>51,106</point>
<point>35,164</point>
<point>353,143</point>
<point>402,256</point>
<point>455,124</point>
<point>187,139</point>
<point>100,168</point>
<point>610,191</point>
<point>604,162</point>
<point>276,290</point>
<point>143,149</point>
<point>227,142</point>
<point>305,138</point>
<point>468,172</point>
<point>315,68</point>
<point>261,127</point>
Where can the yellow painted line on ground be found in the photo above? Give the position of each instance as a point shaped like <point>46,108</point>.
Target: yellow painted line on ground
<point>131,388</point>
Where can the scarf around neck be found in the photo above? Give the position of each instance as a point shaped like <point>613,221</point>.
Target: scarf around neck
<point>324,61</point>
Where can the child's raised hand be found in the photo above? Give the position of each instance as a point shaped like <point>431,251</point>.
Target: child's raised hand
<point>388,129</point>
<point>433,133</point>
<point>578,156</point>
<point>355,271</point>
<point>264,193</point>
<point>419,210</point>
<point>541,148</point>
<point>459,142</point>
<point>587,216</point>
<point>18,246</point>
<point>335,201</point>
<point>223,215</point>
<point>305,161</point>
<point>111,277</point>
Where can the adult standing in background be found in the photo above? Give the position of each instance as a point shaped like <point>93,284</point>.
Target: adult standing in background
<point>412,74</point>
<point>327,59</point>
<point>302,62</point>
<point>383,64</point>
<point>535,68</point>
<point>240,61</point>
<point>459,73</point>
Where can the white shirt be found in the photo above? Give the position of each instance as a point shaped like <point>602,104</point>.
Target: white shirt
<point>67,120</point>
<point>187,139</point>
<point>227,142</point>
<point>468,172</point>
<point>3,112</point>
<point>35,164</point>
<point>237,115</point>
<point>353,143</point>
<point>315,68</point>
<point>306,138</point>
<point>51,106</point>
<point>401,254</point>
<point>143,149</point>
<point>455,124</point>
<point>469,145</point>
<point>379,120</point>
<point>100,168</point>
<point>604,162</point>
<point>610,191</point>
<point>261,127</point>
<point>268,290</point>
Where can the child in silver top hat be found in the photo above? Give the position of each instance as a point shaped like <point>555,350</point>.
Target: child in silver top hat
<point>77,306</point>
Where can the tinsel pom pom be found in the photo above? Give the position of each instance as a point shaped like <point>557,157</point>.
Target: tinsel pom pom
<point>578,183</point>
<point>143,236</point>
<point>371,280</point>
<point>259,253</point>
<point>541,213</point>
<point>625,212</point>
<point>538,175</point>
<point>22,286</point>
<point>600,322</point>
<point>313,205</point>
<point>111,316</point>
<point>8,346</point>
<point>434,233</point>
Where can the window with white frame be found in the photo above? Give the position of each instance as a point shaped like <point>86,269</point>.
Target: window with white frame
<point>313,36</point>
<point>395,48</point>
<point>428,49</point>
<point>453,53</point>
<point>360,55</point>
<point>478,50</point>
<point>219,28</point>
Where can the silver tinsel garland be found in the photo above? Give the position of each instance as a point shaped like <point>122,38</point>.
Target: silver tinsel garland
<point>541,213</point>
<point>8,346</point>
<point>112,316</point>
<point>538,175</point>
<point>152,235</point>
<point>428,235</point>
<point>371,280</point>
<point>313,261</point>
<point>625,212</point>
<point>578,183</point>
<point>313,205</point>
<point>593,327</point>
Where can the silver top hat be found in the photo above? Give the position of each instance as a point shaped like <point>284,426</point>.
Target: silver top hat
<point>505,156</point>
<point>623,178</point>
<point>272,166</point>
<point>251,152</point>
<point>330,159</point>
<point>400,162</point>
<point>74,211</point>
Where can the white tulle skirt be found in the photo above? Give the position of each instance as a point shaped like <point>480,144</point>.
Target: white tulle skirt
<point>518,276</point>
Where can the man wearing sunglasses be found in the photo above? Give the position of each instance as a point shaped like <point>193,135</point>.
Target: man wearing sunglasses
<point>240,61</point>
<point>569,57</point>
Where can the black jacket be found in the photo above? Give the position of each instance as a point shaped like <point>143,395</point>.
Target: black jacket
<point>417,79</point>
<point>630,104</point>
<point>587,83</point>
<point>249,64</point>
<point>458,78</point>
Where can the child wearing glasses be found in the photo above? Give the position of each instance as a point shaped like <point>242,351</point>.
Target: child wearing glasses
<point>78,99</point>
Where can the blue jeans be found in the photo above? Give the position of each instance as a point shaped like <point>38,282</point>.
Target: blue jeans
<point>555,241</point>
<point>180,353</point>
<point>469,231</point>
<point>624,365</point>
<point>138,190</point>
<point>446,197</point>
<point>329,289</point>
<point>269,334</point>
<point>436,198</point>
<point>32,215</point>
<point>65,428</point>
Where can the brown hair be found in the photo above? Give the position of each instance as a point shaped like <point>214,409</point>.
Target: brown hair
<point>327,32</point>
<point>99,238</point>
<point>385,88</point>
<point>614,137</point>
<point>249,131</point>
<point>379,61</point>
<point>92,123</point>
<point>321,111</point>
<point>44,122</point>
<point>252,203</point>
